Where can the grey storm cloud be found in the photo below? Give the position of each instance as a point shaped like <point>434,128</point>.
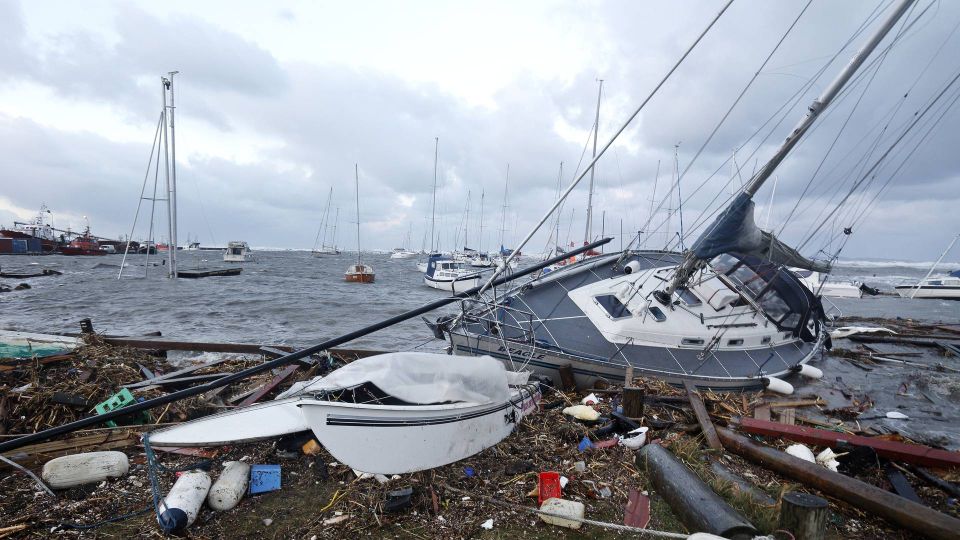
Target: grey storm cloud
<point>326,117</point>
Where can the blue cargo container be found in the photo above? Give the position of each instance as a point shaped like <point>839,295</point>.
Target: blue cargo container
<point>19,246</point>
<point>34,245</point>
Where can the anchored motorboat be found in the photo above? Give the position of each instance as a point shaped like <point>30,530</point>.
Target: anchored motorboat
<point>383,414</point>
<point>237,251</point>
<point>446,274</point>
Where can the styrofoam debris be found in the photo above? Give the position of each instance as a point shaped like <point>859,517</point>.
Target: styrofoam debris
<point>582,412</point>
<point>802,452</point>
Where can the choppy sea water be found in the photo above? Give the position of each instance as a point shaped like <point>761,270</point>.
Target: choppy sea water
<point>294,298</point>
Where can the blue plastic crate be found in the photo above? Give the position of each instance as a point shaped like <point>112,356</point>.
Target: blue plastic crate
<point>264,478</point>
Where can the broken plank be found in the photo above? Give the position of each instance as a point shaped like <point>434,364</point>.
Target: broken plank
<point>761,412</point>
<point>900,484</point>
<point>174,374</point>
<point>198,346</point>
<point>709,432</point>
<point>86,443</point>
<point>911,453</point>
<point>263,390</point>
<point>793,403</point>
<point>787,417</point>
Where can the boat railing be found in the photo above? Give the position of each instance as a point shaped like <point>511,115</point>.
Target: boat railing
<point>495,316</point>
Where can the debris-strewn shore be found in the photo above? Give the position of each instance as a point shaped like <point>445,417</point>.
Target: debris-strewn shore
<point>322,498</point>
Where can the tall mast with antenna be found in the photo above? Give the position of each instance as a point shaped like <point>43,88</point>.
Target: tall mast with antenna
<point>173,180</point>
<point>166,84</point>
<point>596,131</point>
<point>433,213</point>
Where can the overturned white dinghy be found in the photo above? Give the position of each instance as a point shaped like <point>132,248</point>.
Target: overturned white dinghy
<point>390,413</point>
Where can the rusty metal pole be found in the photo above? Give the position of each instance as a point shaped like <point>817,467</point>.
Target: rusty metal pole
<point>909,515</point>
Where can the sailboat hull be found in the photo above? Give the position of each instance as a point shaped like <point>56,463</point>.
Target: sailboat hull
<point>452,285</point>
<point>541,326</point>
<point>360,278</point>
<point>371,438</point>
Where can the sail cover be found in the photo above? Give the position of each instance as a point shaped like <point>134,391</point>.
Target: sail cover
<point>735,231</point>
<point>418,377</point>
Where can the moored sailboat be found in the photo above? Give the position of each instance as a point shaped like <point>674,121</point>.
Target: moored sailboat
<point>359,273</point>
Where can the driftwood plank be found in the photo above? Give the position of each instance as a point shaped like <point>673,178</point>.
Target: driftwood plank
<point>709,432</point>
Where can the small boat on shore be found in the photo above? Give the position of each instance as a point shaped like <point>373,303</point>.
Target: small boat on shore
<point>384,413</point>
<point>820,284</point>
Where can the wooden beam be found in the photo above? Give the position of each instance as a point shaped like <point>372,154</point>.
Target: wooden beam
<point>199,346</point>
<point>174,374</point>
<point>709,432</point>
<point>910,453</point>
<point>903,513</point>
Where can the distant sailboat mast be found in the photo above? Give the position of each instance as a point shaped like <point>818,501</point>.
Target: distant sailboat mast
<point>596,130</point>
<point>356,177</point>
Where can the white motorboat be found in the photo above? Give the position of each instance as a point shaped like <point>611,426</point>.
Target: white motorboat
<point>446,274</point>
<point>942,287</point>
<point>391,413</point>
<point>237,251</point>
<point>818,283</point>
<point>402,253</point>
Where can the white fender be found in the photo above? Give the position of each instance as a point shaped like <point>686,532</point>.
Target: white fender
<point>180,507</point>
<point>631,267</point>
<point>809,371</point>
<point>87,468</point>
<point>227,491</point>
<point>779,386</point>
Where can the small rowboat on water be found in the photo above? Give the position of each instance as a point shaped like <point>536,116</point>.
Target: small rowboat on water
<point>360,273</point>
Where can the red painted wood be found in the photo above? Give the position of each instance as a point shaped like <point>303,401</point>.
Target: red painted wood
<point>910,453</point>
<point>637,512</point>
<point>607,443</point>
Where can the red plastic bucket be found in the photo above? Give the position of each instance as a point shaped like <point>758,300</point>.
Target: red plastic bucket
<point>549,486</point>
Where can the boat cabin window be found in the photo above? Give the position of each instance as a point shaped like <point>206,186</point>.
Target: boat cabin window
<point>691,341</point>
<point>688,297</point>
<point>724,263</point>
<point>935,282</point>
<point>773,305</point>
<point>766,340</point>
<point>734,342</point>
<point>752,281</point>
<point>613,306</point>
<point>657,313</point>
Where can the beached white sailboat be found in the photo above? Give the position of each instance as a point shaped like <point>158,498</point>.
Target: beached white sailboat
<point>725,313</point>
<point>383,414</point>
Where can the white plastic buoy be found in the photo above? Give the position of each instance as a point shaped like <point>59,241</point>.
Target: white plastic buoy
<point>631,267</point>
<point>779,386</point>
<point>809,371</point>
<point>227,491</point>
<point>78,469</point>
<point>180,507</point>
<point>802,452</point>
<point>582,412</point>
<point>568,509</point>
<point>635,439</point>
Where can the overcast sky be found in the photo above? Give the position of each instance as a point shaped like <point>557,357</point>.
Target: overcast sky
<point>277,101</point>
